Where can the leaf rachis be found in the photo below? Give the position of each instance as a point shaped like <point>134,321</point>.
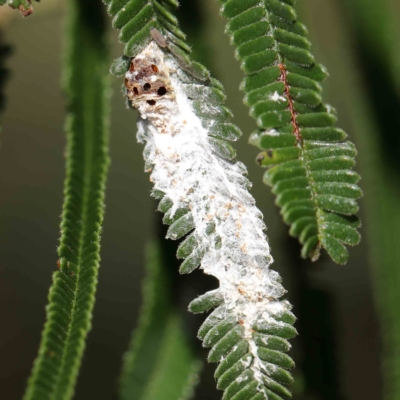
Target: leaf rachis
<point>296,128</point>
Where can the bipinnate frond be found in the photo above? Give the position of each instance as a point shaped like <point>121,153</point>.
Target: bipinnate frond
<point>205,198</point>
<point>309,160</point>
<point>71,297</point>
<point>204,195</point>
<point>159,363</point>
<point>141,21</point>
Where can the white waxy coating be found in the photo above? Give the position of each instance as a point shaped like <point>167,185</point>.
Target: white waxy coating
<point>192,175</point>
<point>277,97</point>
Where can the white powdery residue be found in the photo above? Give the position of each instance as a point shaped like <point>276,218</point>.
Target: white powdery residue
<point>329,109</point>
<point>270,368</point>
<point>277,97</point>
<point>267,317</point>
<point>271,132</point>
<point>277,308</point>
<point>241,379</point>
<point>265,340</point>
<point>192,175</point>
<point>246,361</point>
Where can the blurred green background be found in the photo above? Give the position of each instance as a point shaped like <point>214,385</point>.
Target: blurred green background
<point>339,351</point>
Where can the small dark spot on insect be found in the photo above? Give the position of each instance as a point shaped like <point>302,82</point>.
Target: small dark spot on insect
<point>146,86</point>
<point>154,68</point>
<point>162,91</point>
<point>151,102</point>
<point>135,91</point>
<point>270,153</point>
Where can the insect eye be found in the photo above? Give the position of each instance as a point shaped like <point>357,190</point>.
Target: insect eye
<point>146,86</point>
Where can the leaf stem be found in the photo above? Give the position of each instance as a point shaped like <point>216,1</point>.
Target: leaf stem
<point>71,297</point>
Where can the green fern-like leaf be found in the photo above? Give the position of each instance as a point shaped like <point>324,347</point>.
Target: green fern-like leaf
<point>25,6</point>
<point>203,193</point>
<point>71,297</point>
<point>309,162</point>
<point>137,19</point>
<point>159,363</point>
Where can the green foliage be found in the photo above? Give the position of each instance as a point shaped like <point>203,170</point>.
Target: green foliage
<point>309,162</point>
<point>71,297</point>
<point>225,335</point>
<point>159,364</point>
<point>136,18</point>
<point>221,331</point>
<point>230,348</point>
<point>24,6</point>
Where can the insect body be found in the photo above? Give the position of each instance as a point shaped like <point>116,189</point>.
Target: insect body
<point>158,38</point>
<point>147,80</point>
<point>149,89</point>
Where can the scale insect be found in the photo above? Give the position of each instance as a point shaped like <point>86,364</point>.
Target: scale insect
<point>147,80</point>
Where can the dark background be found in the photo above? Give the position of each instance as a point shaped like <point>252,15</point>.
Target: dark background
<point>339,348</point>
